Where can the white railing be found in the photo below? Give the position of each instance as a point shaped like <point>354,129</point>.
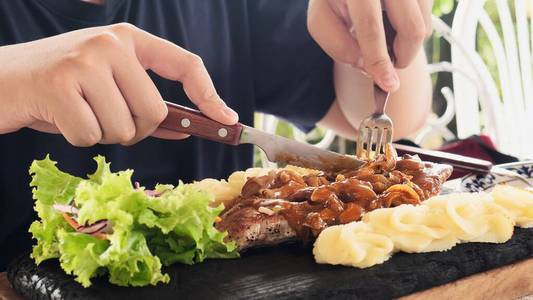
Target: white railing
<point>509,116</point>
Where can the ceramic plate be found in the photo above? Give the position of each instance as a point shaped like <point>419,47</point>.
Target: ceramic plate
<point>477,183</point>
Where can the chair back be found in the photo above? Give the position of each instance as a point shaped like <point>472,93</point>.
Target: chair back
<point>500,103</point>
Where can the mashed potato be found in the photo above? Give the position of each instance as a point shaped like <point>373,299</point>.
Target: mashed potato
<point>413,228</point>
<point>354,244</point>
<point>474,217</point>
<point>437,224</point>
<point>517,202</point>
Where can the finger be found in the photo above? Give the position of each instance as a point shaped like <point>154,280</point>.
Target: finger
<point>200,89</point>
<point>175,63</point>
<point>76,121</point>
<point>44,127</point>
<point>407,19</point>
<point>109,106</point>
<point>366,16</point>
<point>340,9</point>
<point>426,7</point>
<point>329,30</point>
<point>166,134</point>
<point>143,99</point>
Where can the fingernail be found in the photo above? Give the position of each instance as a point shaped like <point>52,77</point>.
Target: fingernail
<point>230,113</point>
<point>391,81</point>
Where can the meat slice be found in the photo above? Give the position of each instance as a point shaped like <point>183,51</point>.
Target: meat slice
<point>282,206</point>
<point>248,227</point>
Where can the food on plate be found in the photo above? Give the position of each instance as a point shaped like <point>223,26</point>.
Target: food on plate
<point>106,225</point>
<point>355,244</point>
<point>517,202</point>
<point>474,217</point>
<point>437,224</point>
<point>288,204</point>
<point>226,191</point>
<point>413,228</point>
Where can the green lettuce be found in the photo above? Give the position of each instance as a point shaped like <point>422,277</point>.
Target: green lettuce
<point>54,186</point>
<point>147,232</point>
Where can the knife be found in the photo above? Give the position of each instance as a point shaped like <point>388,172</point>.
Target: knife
<point>460,161</point>
<point>277,149</point>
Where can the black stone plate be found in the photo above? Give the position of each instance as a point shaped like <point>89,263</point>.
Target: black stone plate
<point>281,273</point>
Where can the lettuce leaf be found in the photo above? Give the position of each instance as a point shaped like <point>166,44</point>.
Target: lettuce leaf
<point>185,217</point>
<point>147,231</point>
<point>50,186</point>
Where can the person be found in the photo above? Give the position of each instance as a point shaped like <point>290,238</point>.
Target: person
<point>81,78</point>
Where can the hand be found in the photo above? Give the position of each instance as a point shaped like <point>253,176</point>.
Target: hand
<point>351,31</point>
<point>91,85</point>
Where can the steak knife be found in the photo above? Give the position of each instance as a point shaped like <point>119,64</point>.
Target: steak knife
<point>277,149</point>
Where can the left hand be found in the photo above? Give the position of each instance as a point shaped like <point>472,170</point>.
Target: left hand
<point>351,31</point>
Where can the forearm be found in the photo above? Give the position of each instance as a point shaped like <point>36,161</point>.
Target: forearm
<point>408,107</point>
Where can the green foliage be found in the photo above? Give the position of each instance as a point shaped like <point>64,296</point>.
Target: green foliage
<point>285,129</point>
<point>442,7</point>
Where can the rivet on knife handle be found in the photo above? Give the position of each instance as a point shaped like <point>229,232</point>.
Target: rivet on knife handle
<point>186,120</point>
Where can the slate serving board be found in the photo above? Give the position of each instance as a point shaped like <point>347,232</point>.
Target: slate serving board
<point>281,273</point>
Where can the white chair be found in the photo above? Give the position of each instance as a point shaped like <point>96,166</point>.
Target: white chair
<point>501,107</point>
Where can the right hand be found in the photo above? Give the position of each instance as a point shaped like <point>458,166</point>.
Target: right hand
<point>352,32</point>
<point>91,85</point>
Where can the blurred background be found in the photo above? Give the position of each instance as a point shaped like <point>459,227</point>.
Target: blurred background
<point>480,61</point>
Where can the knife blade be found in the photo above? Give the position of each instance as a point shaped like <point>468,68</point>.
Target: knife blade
<point>277,149</point>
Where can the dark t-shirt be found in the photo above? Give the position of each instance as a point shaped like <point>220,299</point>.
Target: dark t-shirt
<point>258,53</point>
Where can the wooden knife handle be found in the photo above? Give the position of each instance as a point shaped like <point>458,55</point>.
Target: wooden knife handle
<point>190,121</point>
<point>458,161</point>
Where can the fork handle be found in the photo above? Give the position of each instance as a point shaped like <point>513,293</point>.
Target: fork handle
<point>380,96</point>
<point>380,99</point>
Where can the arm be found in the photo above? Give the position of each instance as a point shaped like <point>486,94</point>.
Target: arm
<point>408,107</point>
<point>91,85</point>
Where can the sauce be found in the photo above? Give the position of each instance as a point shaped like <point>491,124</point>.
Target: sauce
<point>313,202</point>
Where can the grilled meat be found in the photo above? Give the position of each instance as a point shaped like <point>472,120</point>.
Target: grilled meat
<point>248,227</point>
<point>284,205</point>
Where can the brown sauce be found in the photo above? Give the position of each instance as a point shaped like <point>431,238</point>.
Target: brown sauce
<point>313,202</point>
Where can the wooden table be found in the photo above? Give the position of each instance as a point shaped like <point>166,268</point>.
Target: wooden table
<point>6,291</point>
<point>510,282</point>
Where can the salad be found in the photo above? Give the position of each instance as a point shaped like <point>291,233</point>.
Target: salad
<point>105,225</point>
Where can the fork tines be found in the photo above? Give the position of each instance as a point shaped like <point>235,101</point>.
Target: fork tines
<point>375,131</point>
<point>372,140</point>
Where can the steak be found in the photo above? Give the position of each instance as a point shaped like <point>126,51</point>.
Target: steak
<point>284,205</point>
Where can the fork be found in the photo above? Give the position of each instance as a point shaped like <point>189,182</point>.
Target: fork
<point>376,130</point>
